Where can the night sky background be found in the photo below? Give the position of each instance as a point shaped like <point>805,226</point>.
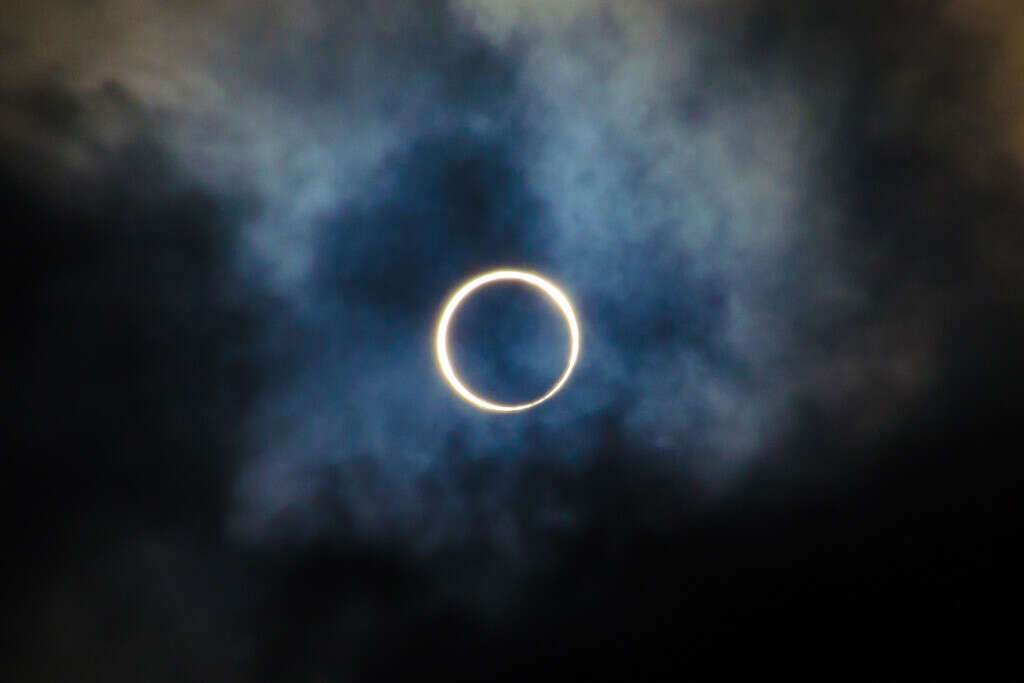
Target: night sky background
<point>792,233</point>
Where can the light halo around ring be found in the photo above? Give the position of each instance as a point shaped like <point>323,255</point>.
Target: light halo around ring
<point>471,286</point>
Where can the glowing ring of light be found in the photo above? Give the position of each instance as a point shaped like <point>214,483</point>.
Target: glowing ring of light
<point>476,283</point>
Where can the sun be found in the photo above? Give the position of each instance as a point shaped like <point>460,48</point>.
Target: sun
<point>556,295</point>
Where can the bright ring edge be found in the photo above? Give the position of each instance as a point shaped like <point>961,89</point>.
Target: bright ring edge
<point>468,288</point>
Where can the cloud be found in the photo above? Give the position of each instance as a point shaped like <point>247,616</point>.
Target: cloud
<point>710,195</point>
<point>789,232</point>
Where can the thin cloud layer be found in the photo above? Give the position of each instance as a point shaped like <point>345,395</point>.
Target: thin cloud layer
<point>790,233</point>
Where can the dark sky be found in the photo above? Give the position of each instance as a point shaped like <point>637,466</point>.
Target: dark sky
<point>792,234</point>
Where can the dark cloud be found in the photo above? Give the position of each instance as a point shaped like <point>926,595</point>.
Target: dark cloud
<point>791,235</point>
<point>129,370</point>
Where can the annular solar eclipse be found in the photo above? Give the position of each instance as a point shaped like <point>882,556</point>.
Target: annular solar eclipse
<point>452,306</point>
